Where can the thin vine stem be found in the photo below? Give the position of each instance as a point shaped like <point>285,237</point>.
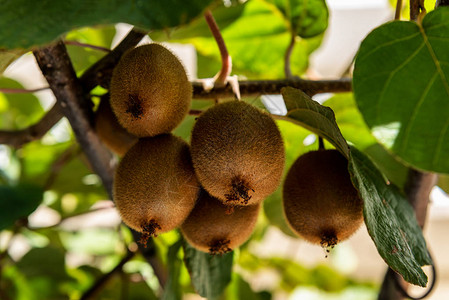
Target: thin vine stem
<point>226,61</point>
<point>79,44</point>
<point>321,143</point>
<point>397,13</point>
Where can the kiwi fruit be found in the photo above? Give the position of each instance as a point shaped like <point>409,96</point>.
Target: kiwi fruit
<point>150,91</point>
<point>320,203</point>
<point>237,152</point>
<point>110,132</point>
<point>212,228</point>
<point>155,187</point>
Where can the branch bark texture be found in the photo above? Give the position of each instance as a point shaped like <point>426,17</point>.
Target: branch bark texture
<point>75,104</point>
<point>415,8</point>
<point>254,88</point>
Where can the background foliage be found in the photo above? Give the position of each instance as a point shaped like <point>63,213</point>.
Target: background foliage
<point>382,133</point>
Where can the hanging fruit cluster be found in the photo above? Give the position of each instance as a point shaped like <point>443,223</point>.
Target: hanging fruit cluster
<point>214,188</point>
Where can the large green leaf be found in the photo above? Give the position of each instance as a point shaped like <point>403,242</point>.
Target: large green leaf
<point>260,25</point>
<point>401,85</point>
<point>390,221</point>
<point>210,274</point>
<point>18,202</point>
<point>27,23</point>
<point>313,116</point>
<point>223,15</point>
<point>307,18</point>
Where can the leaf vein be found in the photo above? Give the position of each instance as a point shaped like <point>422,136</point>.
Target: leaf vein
<point>416,110</point>
<point>446,87</point>
<point>388,44</point>
<point>392,74</point>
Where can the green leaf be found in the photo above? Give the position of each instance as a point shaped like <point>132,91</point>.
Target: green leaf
<point>350,121</point>
<point>84,57</point>
<point>223,15</point>
<point>307,18</point>
<point>443,183</point>
<point>391,167</point>
<point>262,26</point>
<point>355,131</point>
<point>402,89</point>
<point>77,179</point>
<point>18,111</point>
<point>137,291</point>
<point>313,116</point>
<point>45,273</point>
<point>18,202</point>
<point>172,289</point>
<point>18,286</point>
<point>210,274</point>
<point>29,23</point>
<point>390,221</point>
<point>46,262</point>
<point>7,57</point>
<point>36,159</point>
<point>240,289</point>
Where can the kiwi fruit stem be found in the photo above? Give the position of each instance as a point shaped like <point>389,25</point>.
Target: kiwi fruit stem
<point>320,143</point>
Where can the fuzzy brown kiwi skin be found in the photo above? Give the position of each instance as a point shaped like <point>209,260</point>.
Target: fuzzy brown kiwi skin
<point>110,132</point>
<point>237,153</point>
<point>150,91</point>
<point>320,203</point>
<point>213,229</point>
<point>155,187</point>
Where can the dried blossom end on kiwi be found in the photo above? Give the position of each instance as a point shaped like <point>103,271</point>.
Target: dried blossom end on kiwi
<point>239,193</point>
<point>219,247</point>
<point>149,230</point>
<point>328,241</point>
<point>135,107</point>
